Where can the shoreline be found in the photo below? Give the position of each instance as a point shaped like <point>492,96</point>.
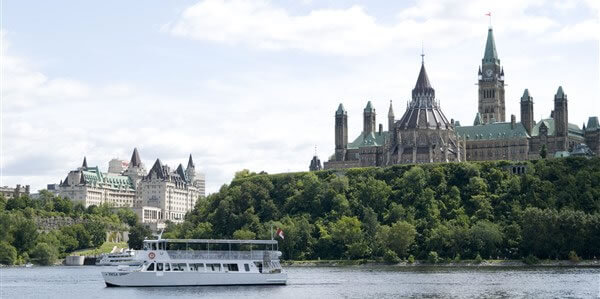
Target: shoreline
<point>461,264</point>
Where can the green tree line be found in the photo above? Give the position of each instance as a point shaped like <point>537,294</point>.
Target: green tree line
<point>444,211</point>
<point>21,240</point>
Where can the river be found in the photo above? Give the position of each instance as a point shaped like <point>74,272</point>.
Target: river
<point>325,282</point>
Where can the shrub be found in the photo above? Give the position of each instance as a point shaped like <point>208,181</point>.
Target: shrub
<point>573,257</point>
<point>411,259</point>
<point>44,254</point>
<point>531,260</point>
<point>478,259</point>
<point>391,257</point>
<point>457,258</point>
<point>433,257</point>
<point>8,254</point>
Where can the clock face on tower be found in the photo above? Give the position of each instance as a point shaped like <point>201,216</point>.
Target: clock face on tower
<point>489,72</point>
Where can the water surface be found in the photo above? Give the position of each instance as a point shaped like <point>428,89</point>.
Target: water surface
<point>329,282</point>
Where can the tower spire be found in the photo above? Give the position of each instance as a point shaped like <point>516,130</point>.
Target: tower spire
<point>422,53</point>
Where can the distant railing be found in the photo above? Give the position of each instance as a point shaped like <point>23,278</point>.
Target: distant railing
<point>222,255</point>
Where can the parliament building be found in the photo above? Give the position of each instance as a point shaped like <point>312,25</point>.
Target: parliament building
<point>425,135</point>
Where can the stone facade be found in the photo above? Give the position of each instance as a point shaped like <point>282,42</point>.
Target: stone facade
<point>422,135</point>
<point>156,196</point>
<point>10,193</point>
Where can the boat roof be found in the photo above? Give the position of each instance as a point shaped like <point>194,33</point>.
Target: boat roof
<point>215,241</point>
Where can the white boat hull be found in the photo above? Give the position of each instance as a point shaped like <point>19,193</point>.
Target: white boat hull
<point>171,279</point>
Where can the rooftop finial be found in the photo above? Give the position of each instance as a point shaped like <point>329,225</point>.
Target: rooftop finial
<point>315,150</point>
<point>422,53</point>
<point>489,14</point>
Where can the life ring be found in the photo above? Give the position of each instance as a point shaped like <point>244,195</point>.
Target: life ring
<point>151,255</point>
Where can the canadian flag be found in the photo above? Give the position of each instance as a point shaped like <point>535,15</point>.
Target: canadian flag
<point>279,233</point>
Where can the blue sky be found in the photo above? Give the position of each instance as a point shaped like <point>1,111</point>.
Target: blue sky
<point>254,84</point>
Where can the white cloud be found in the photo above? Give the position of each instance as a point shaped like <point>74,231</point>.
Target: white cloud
<point>352,31</point>
<point>583,31</point>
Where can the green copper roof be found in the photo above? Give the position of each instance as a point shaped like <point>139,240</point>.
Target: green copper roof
<point>94,177</point>
<point>560,93</point>
<point>574,130</point>
<point>526,96</point>
<point>340,110</point>
<point>492,131</point>
<point>369,107</point>
<point>477,120</point>
<point>490,55</point>
<point>373,139</point>
<point>592,124</point>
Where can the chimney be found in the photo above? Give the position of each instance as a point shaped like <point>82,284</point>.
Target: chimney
<point>27,189</point>
<point>380,129</point>
<point>513,120</point>
<point>552,114</point>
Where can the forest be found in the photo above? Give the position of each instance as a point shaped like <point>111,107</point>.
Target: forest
<point>22,240</point>
<point>435,212</point>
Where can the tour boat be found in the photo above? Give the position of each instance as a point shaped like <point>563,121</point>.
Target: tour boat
<point>201,262</point>
<point>119,258</point>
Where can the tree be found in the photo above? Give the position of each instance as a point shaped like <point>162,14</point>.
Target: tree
<point>44,254</point>
<point>24,234</point>
<point>137,235</point>
<point>485,238</point>
<point>543,151</point>
<point>97,232</point>
<point>401,237</point>
<point>128,216</point>
<point>244,234</point>
<point>8,254</point>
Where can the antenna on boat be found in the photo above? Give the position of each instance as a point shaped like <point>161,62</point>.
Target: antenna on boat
<point>271,231</point>
<point>161,232</point>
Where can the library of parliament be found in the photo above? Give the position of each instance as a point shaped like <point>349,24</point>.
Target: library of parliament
<point>425,135</point>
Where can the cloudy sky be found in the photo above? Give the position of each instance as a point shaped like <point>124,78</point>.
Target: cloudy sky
<point>254,84</point>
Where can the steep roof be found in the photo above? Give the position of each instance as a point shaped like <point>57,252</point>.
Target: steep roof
<point>340,110</point>
<point>135,159</point>
<point>423,111</point>
<point>503,130</point>
<point>372,139</point>
<point>574,130</point>
<point>560,94</point>
<point>477,120</point>
<point>592,124</point>
<point>526,96</point>
<point>369,107</point>
<point>93,177</point>
<point>391,110</point>
<point>191,162</point>
<point>84,164</point>
<point>490,55</point>
<point>423,85</point>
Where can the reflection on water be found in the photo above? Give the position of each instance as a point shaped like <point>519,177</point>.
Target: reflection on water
<point>349,282</point>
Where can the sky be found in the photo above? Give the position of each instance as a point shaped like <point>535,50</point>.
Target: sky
<point>254,84</point>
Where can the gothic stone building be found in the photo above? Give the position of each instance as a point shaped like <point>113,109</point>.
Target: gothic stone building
<point>424,134</point>
<point>156,196</point>
<point>492,138</point>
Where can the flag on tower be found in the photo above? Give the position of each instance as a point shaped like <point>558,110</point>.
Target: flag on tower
<point>279,233</point>
<point>489,14</point>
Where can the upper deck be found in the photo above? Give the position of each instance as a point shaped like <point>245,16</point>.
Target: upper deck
<point>214,249</point>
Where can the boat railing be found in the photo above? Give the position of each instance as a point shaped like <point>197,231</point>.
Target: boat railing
<point>222,255</point>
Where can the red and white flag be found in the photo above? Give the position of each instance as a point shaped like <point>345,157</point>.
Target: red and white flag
<point>279,233</point>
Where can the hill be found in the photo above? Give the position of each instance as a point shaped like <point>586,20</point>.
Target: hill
<point>436,211</point>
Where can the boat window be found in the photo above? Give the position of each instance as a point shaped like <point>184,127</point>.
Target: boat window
<point>168,267</point>
<point>214,267</point>
<point>179,267</point>
<point>247,267</point>
<point>232,267</point>
<point>159,266</point>
<point>182,267</point>
<point>150,267</point>
<point>259,265</point>
<point>197,267</point>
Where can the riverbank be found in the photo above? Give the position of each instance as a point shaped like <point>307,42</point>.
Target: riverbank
<point>465,263</point>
